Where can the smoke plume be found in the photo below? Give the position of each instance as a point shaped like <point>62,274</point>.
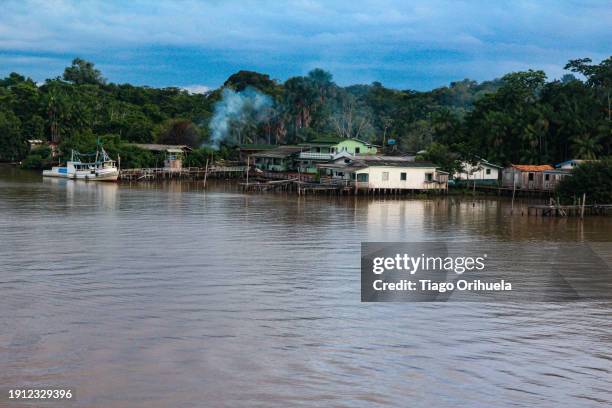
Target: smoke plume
<point>235,112</point>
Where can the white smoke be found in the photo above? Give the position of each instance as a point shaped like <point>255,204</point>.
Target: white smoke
<point>236,109</point>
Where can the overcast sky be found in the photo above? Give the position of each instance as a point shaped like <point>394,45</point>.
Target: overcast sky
<point>403,44</point>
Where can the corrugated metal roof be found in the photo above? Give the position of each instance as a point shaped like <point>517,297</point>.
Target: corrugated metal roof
<point>160,147</point>
<point>380,161</point>
<point>577,161</point>
<point>398,159</point>
<point>256,146</point>
<point>280,152</point>
<point>396,163</point>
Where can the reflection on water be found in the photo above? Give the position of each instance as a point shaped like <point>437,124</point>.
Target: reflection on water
<point>172,296</point>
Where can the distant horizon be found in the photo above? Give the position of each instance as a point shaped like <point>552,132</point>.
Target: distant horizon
<point>416,45</point>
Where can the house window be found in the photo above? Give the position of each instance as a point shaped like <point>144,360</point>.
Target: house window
<point>428,176</point>
<point>530,176</point>
<point>357,150</point>
<point>488,171</point>
<point>402,176</point>
<point>340,174</point>
<point>362,177</point>
<point>385,176</point>
<point>547,177</point>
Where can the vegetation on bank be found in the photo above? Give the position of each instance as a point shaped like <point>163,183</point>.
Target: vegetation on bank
<point>591,178</point>
<point>519,118</point>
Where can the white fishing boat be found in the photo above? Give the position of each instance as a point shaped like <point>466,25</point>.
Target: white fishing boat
<point>101,169</point>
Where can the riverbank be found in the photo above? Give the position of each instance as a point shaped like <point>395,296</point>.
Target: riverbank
<point>529,205</point>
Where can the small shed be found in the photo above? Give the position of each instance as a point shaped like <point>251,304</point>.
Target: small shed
<point>34,143</point>
<point>174,159</point>
<point>174,154</point>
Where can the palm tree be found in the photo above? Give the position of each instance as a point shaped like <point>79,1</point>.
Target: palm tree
<point>586,146</point>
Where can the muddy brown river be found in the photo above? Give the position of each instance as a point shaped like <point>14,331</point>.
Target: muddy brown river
<point>172,296</point>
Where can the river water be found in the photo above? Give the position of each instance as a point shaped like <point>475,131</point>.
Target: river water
<point>172,296</point>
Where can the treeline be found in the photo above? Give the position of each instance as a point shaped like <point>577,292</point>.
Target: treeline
<point>78,108</point>
<point>519,118</point>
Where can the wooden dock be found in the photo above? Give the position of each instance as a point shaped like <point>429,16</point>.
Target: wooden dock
<point>296,184</point>
<point>272,185</point>
<point>508,191</point>
<point>553,210</point>
<point>186,173</point>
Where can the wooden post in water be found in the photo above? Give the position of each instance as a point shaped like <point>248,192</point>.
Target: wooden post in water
<point>247,171</point>
<point>582,208</point>
<point>206,172</point>
<point>513,190</point>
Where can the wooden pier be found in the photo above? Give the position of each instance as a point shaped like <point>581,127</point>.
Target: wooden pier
<point>301,187</point>
<point>553,210</point>
<point>186,173</point>
<point>508,191</point>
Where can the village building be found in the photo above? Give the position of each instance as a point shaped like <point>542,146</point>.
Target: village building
<point>384,173</point>
<point>280,159</point>
<point>324,149</point>
<point>532,177</point>
<point>305,157</point>
<point>571,164</point>
<point>173,154</point>
<point>246,150</point>
<point>34,143</point>
<point>481,173</point>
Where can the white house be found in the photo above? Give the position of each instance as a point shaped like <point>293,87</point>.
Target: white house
<point>384,173</point>
<point>482,172</point>
<point>571,164</point>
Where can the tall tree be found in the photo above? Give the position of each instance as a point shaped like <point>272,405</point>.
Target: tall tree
<point>13,145</point>
<point>83,72</point>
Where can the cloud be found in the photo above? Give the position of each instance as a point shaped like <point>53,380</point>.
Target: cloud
<point>205,41</point>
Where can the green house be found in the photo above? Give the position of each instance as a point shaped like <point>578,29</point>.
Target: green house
<point>324,149</point>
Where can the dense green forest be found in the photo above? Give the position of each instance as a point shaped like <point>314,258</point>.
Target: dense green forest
<point>519,118</point>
